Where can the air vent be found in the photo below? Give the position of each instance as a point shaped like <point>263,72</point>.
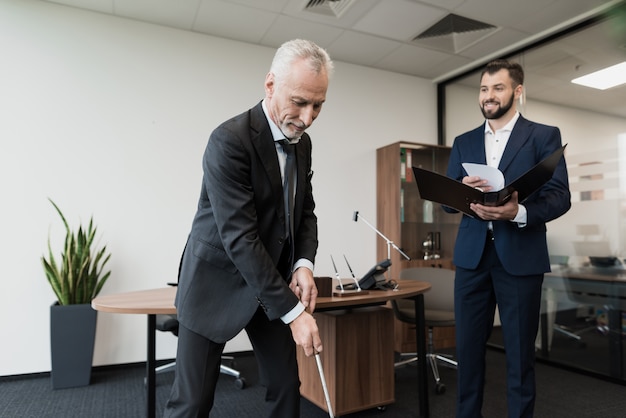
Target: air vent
<point>334,8</point>
<point>454,33</point>
<point>453,24</point>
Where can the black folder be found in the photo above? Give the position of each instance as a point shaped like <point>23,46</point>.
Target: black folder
<point>449,192</point>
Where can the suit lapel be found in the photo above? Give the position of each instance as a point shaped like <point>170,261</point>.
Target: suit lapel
<point>265,147</point>
<point>476,149</point>
<point>301,158</point>
<point>519,136</point>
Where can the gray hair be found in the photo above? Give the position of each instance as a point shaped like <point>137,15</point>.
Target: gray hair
<point>291,51</point>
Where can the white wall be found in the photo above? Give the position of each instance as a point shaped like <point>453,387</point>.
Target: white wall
<point>109,117</point>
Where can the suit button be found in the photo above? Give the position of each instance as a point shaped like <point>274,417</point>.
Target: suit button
<point>281,241</point>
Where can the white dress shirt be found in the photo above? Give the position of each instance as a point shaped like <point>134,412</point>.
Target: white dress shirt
<point>495,143</point>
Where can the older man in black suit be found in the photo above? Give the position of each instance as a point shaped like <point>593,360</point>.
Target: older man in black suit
<point>248,262</point>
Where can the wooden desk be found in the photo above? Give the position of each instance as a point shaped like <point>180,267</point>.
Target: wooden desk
<point>161,301</point>
<point>148,302</point>
<point>588,286</point>
<point>311,388</point>
<point>358,361</point>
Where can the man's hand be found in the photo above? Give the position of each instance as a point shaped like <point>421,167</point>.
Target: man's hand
<point>306,334</point>
<point>303,285</point>
<point>477,183</point>
<point>506,212</point>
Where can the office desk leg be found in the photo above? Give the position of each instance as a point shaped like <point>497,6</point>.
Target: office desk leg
<point>422,378</point>
<point>150,368</point>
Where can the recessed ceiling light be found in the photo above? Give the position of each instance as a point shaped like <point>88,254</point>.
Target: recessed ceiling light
<point>604,79</point>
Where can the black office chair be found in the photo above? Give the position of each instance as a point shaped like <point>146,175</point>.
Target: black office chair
<point>438,312</point>
<point>169,323</point>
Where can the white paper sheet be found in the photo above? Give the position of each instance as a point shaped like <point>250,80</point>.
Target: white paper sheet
<point>494,177</point>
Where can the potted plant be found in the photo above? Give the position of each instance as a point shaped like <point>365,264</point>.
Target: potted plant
<point>76,278</point>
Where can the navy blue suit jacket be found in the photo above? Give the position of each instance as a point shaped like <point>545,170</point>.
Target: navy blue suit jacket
<point>522,251</point>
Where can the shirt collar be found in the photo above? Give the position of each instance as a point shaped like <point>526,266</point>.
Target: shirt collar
<point>277,134</point>
<point>508,127</point>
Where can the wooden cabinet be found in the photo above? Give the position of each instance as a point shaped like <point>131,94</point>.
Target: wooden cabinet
<point>401,215</point>
<point>411,222</point>
<point>357,361</point>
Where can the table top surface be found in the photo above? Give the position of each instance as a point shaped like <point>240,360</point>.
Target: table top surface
<point>161,300</point>
<point>600,274</point>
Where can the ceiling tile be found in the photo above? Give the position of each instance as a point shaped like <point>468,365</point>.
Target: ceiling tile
<point>102,6</point>
<point>450,64</point>
<point>556,12</point>
<point>446,4</point>
<point>233,21</point>
<point>178,14</point>
<point>286,28</point>
<point>551,15</point>
<point>275,6</point>
<point>399,19</point>
<point>359,48</point>
<point>499,41</point>
<point>608,37</point>
<point>506,13</point>
<point>409,59</point>
<point>541,59</point>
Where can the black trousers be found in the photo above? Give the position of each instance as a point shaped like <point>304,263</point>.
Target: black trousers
<point>198,367</point>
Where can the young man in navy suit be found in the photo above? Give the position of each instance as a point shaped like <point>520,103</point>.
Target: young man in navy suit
<point>501,255</point>
<point>248,262</point>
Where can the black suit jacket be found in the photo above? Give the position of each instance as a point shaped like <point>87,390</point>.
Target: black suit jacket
<point>229,266</point>
<point>522,251</point>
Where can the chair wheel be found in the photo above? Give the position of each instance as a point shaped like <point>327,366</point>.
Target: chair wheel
<point>440,388</point>
<point>240,383</point>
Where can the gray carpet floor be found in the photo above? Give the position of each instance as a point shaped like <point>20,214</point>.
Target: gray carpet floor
<point>118,392</point>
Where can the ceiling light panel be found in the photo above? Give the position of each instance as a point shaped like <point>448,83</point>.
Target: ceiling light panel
<point>606,78</point>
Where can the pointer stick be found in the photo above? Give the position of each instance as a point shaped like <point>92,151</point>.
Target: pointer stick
<point>318,360</point>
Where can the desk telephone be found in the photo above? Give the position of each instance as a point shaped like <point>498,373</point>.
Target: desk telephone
<point>374,278</point>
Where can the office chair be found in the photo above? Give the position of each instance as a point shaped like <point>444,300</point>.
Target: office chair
<point>564,303</point>
<point>438,312</point>
<point>169,323</point>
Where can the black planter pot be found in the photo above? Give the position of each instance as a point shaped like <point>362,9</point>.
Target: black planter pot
<point>72,337</point>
